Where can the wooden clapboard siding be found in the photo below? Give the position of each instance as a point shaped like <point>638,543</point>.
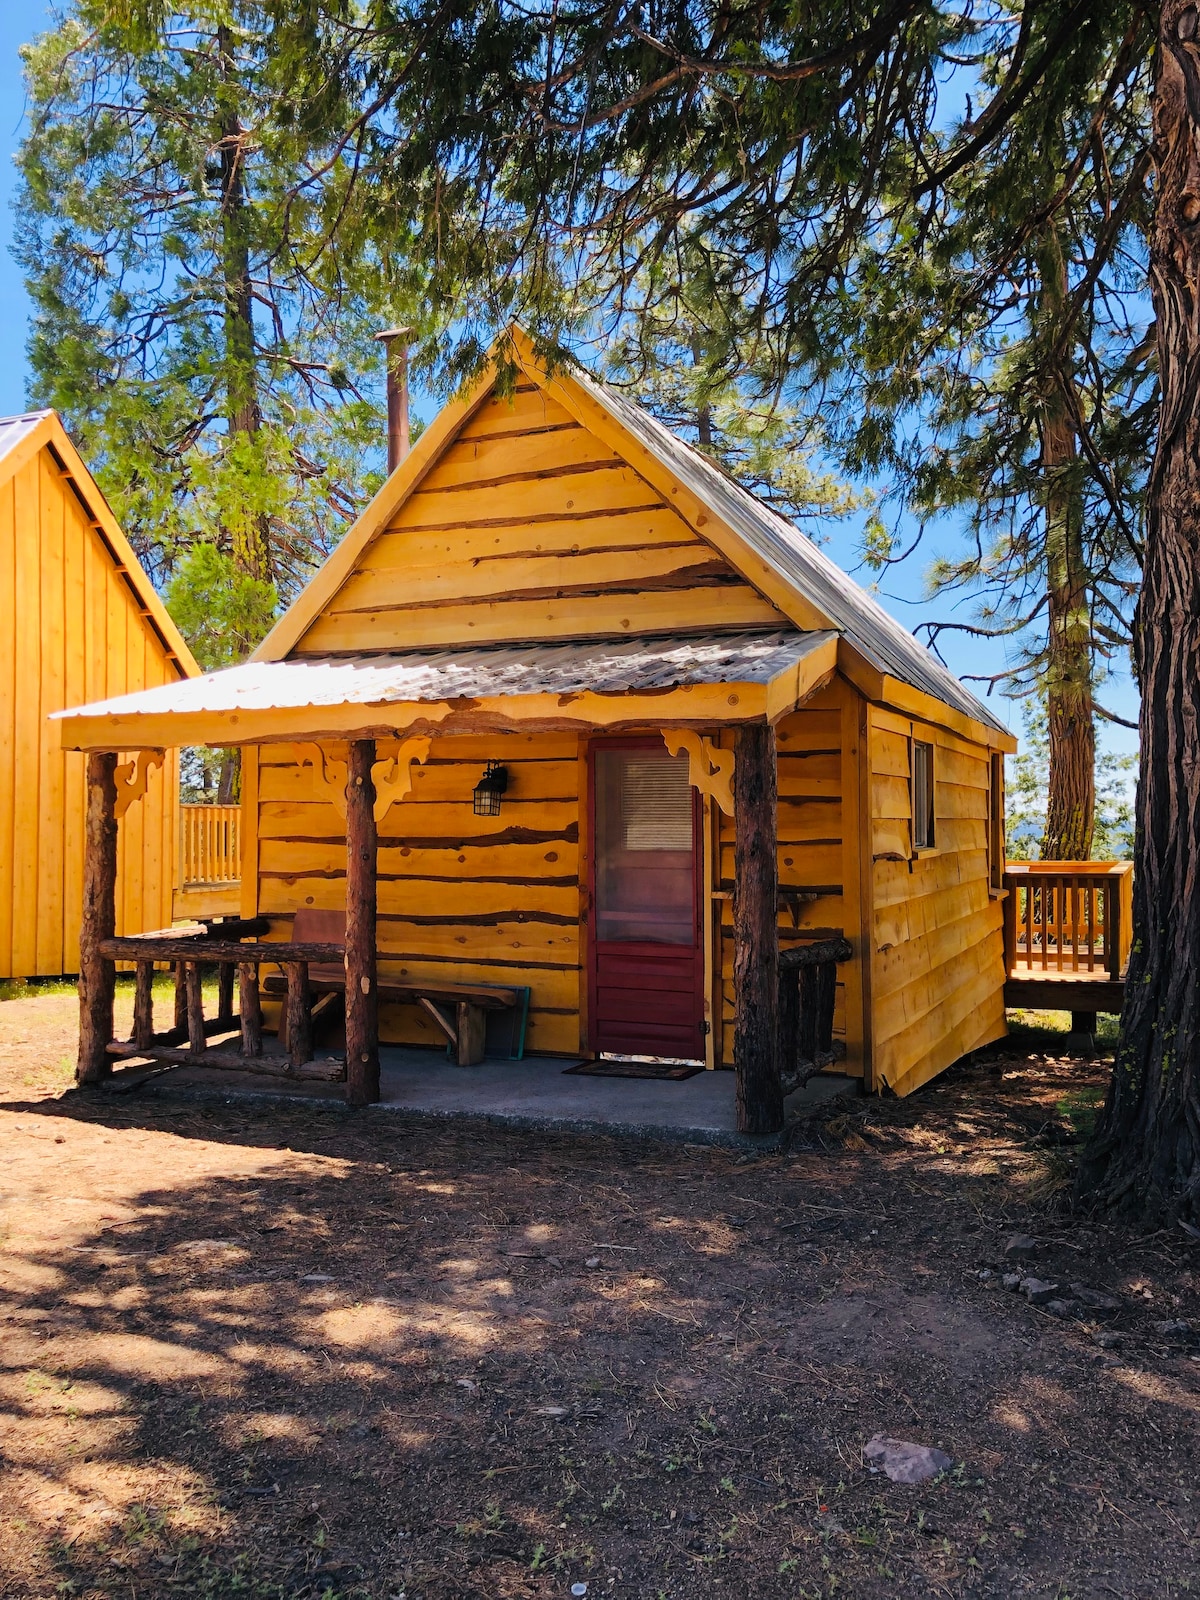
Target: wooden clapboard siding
<point>493,899</point>
<point>937,962</point>
<point>812,852</point>
<point>73,629</point>
<point>528,526</point>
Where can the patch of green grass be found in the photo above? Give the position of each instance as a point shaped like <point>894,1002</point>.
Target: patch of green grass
<point>1081,1108</point>
<point>1048,1030</point>
<point>33,988</point>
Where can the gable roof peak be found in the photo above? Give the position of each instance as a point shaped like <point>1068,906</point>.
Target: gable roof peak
<point>885,643</point>
<point>769,552</point>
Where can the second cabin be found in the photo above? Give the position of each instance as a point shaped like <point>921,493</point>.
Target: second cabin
<point>608,692</point>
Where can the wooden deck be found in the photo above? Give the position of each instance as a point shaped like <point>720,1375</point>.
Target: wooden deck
<point>1067,933</point>
<point>210,863</point>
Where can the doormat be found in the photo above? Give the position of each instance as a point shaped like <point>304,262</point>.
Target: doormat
<point>635,1069</point>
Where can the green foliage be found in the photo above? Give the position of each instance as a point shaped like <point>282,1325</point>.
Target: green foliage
<point>826,233</point>
<point>222,612</point>
<point>1026,782</point>
<point>912,237</point>
<point>767,445</point>
<point>179,182</point>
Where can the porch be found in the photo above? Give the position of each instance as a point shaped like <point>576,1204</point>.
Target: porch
<point>1068,928</point>
<point>344,744</point>
<point>538,1093</point>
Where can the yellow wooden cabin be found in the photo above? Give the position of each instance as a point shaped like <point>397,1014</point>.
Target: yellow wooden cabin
<point>79,621</point>
<point>696,714</point>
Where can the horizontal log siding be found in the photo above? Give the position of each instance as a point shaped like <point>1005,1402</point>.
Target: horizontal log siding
<point>490,899</point>
<point>529,527</point>
<point>809,744</point>
<point>938,974</point>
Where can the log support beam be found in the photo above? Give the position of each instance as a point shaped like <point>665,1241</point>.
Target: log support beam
<point>250,1009</point>
<point>143,1004</point>
<point>299,1013</point>
<point>759,1090</point>
<point>97,973</point>
<point>362,998</point>
<point>194,995</point>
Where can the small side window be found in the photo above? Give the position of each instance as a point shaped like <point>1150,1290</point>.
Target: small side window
<point>996,842</point>
<point>922,795</point>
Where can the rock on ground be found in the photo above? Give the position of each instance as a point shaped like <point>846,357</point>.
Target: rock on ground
<point>905,1462</point>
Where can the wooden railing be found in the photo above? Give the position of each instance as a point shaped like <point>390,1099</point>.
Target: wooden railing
<point>187,1040</point>
<point>1068,917</point>
<point>210,844</point>
<point>807,991</point>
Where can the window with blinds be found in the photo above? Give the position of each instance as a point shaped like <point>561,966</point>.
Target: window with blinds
<point>656,803</point>
<point>645,865</point>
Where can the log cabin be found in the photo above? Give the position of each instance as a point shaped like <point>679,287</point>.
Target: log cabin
<point>570,715</point>
<point>79,621</point>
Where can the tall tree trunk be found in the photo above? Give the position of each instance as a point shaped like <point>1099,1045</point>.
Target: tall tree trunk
<point>228,785</point>
<point>1071,803</point>
<point>250,536</point>
<point>1145,1156</point>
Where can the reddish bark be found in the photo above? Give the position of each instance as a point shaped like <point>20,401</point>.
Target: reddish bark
<point>759,1090</point>
<point>1145,1156</point>
<point>98,974</point>
<point>362,997</point>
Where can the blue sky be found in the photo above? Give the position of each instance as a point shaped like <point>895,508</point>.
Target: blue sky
<point>903,592</point>
<point>20,20</point>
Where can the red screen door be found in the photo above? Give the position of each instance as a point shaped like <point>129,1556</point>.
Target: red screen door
<point>647,956</point>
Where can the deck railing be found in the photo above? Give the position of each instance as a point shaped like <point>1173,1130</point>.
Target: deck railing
<point>210,844</point>
<point>807,991</point>
<point>186,1042</point>
<point>1068,917</point>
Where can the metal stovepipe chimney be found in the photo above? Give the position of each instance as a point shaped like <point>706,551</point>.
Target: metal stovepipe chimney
<point>396,342</point>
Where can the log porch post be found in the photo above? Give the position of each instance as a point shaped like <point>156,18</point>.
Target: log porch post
<point>362,999</point>
<point>98,975</point>
<point>756,933</point>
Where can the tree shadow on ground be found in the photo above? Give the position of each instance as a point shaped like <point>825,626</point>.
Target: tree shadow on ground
<point>281,1350</point>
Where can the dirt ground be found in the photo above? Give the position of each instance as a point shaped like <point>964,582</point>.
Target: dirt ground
<point>254,1350</point>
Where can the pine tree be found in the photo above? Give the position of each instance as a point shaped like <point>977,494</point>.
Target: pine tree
<point>780,141</point>
<point>959,290</point>
<point>178,184</point>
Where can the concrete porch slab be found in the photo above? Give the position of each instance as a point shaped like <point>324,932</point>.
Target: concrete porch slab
<point>535,1093</point>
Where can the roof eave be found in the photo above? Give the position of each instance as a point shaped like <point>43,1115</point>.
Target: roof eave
<point>886,689</point>
<point>725,704</point>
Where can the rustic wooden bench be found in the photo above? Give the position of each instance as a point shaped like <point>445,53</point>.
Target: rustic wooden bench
<point>463,1021</point>
<point>458,1010</point>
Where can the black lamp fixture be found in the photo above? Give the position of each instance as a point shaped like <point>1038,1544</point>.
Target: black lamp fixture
<point>489,789</point>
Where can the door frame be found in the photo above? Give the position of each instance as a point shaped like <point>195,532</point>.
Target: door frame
<point>700,856</point>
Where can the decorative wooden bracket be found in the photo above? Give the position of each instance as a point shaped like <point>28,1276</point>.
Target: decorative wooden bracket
<point>392,775</point>
<point>328,774</point>
<point>133,778</point>
<point>394,785</point>
<point>710,769</point>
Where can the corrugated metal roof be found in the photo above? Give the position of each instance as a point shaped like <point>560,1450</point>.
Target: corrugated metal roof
<point>605,667</point>
<point>886,643</point>
<point>14,429</point>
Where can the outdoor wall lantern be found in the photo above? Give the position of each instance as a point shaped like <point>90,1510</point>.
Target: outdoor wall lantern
<point>489,789</point>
